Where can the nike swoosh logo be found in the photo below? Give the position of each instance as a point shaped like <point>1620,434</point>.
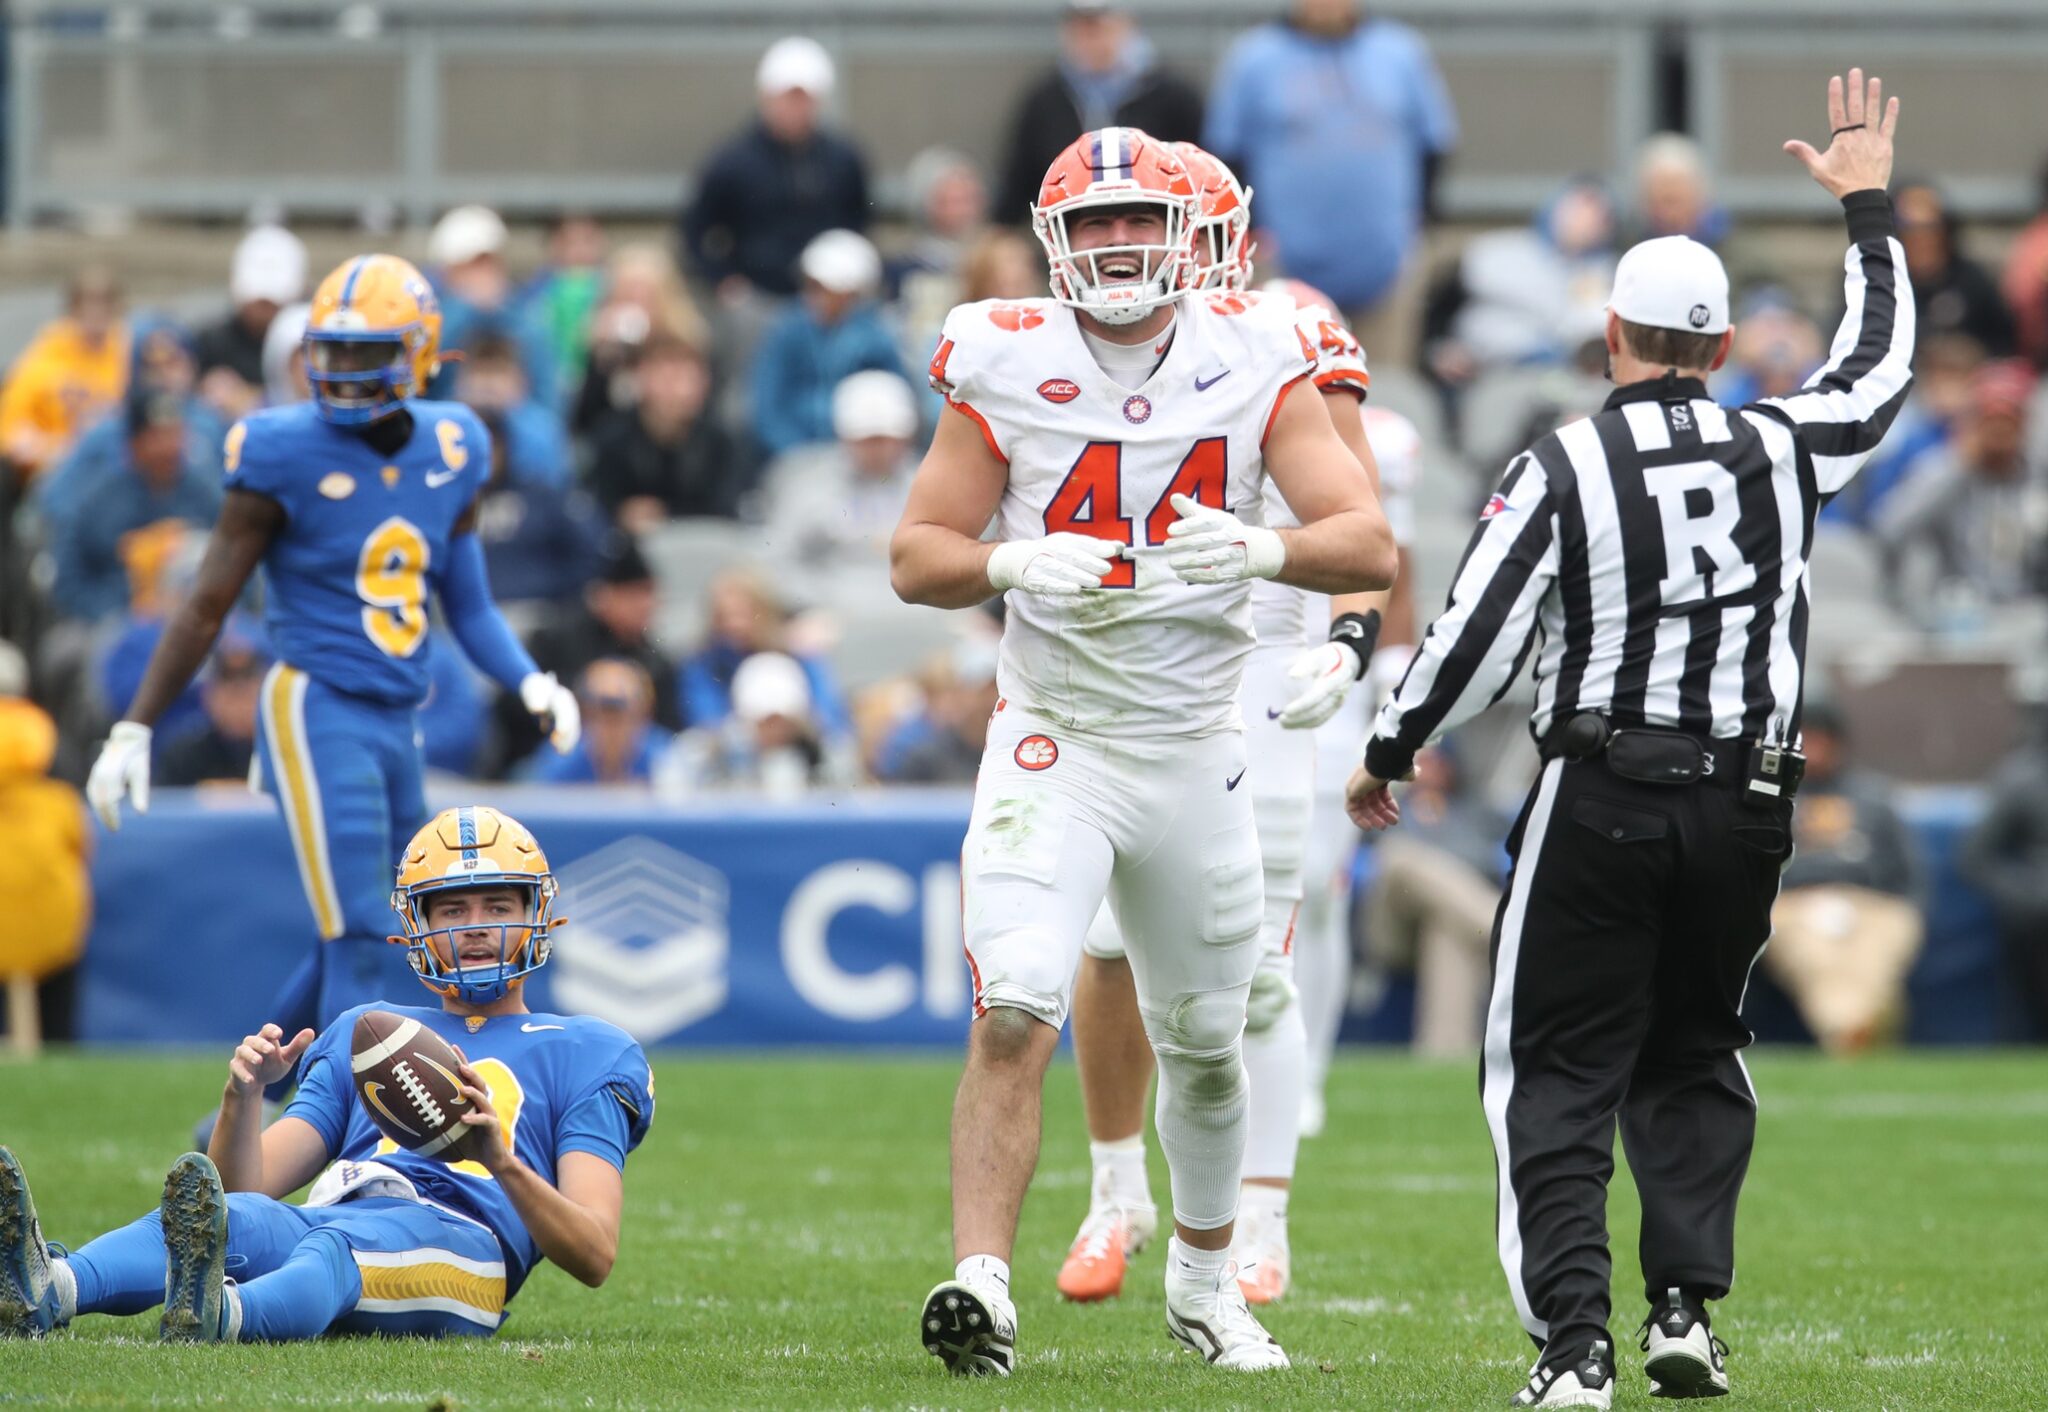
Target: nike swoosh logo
<point>1234,779</point>
<point>437,479</point>
<point>536,1029</point>
<point>1271,714</point>
<point>1202,386</point>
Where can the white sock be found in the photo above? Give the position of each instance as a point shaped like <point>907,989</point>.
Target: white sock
<point>1263,1200</point>
<point>67,1290</point>
<point>1276,1068</point>
<point>1188,1266</point>
<point>231,1313</point>
<point>1120,1176</point>
<point>984,1270</point>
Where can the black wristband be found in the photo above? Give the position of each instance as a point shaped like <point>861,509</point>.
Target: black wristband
<point>1361,631</point>
<point>1869,213</point>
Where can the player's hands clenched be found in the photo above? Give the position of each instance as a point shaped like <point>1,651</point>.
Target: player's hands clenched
<point>486,1144</point>
<point>1058,566</point>
<point>261,1059</point>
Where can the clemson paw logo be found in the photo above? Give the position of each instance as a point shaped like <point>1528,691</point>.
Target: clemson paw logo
<point>1137,409</point>
<point>1015,317</point>
<point>1228,304</point>
<point>1037,752</point>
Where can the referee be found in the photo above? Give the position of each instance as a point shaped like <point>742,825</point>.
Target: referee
<point>1654,557</point>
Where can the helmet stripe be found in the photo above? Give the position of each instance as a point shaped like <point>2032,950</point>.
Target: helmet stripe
<point>348,286</point>
<point>465,820</point>
<point>1114,165</point>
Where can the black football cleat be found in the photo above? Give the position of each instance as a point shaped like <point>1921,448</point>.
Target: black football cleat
<point>1682,1356</point>
<point>1582,1380</point>
<point>971,1328</point>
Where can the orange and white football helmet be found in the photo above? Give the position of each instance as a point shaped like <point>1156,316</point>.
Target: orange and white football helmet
<point>1223,221</point>
<point>373,339</point>
<point>475,846</point>
<point>1117,166</point>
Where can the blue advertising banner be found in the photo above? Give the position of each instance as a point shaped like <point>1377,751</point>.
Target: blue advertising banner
<point>735,922</point>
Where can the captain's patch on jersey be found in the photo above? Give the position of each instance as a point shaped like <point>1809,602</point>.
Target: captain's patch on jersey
<point>337,485</point>
<point>1037,752</point>
<point>1059,389</point>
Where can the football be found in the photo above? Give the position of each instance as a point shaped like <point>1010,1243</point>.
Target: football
<point>405,1076</point>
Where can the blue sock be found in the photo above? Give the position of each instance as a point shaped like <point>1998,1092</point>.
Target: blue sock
<point>304,1296</point>
<point>296,1007</point>
<point>122,1272</point>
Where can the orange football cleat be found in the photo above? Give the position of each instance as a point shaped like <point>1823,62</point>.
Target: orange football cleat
<point>1095,1263</point>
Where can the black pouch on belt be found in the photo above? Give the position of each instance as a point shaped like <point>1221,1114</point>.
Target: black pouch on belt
<point>1653,757</point>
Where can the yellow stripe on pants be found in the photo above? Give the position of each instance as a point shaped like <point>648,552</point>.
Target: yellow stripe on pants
<point>298,791</point>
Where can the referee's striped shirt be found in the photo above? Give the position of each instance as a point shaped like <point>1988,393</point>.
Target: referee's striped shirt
<point>1654,557</point>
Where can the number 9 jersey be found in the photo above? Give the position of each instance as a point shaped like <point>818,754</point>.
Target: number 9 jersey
<point>1146,654</point>
<point>365,538</point>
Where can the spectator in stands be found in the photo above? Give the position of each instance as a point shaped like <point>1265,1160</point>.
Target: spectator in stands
<point>1846,926</point>
<point>2025,283</point>
<point>774,187</point>
<point>836,330</point>
<point>1108,75</point>
<point>563,297</point>
<point>1673,196</point>
<point>644,297</point>
<point>950,200</point>
<point>1972,503</point>
<point>773,743</point>
<point>949,738</point>
<point>1433,900</point>
<point>831,508</point>
<point>613,618</point>
<point>1944,370</point>
<point>269,272</point>
<point>1001,265</point>
<point>1532,295</point>
<point>157,483</point>
<point>74,369</point>
<point>2006,856</point>
<point>1340,120</point>
<point>665,457</point>
<point>466,258</point>
<point>45,849</point>
<point>620,743</point>
<point>163,565</point>
<point>746,618</point>
<point>1777,347</point>
<point>527,436</point>
<point>540,535</point>
<point>284,357</point>
<point>219,747</point>
<point>1953,293</point>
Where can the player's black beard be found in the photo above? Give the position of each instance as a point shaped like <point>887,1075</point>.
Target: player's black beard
<point>387,434</point>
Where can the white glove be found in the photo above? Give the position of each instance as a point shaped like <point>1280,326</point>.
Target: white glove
<point>1329,669</point>
<point>1058,566</point>
<point>1207,545</point>
<point>121,769</point>
<point>555,707</point>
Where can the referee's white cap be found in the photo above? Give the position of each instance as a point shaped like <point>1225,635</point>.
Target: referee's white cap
<point>1672,282</point>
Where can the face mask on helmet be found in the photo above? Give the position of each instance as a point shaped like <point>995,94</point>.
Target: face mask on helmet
<point>476,958</point>
<point>1117,256</point>
<point>358,378</point>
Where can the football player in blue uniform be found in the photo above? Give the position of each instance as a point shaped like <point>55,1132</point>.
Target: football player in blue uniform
<point>388,1241</point>
<point>356,504</point>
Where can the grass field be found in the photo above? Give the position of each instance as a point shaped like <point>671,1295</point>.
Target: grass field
<point>787,1215</point>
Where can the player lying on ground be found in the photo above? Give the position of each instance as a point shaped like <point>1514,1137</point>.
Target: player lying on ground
<point>1290,687</point>
<point>389,1241</point>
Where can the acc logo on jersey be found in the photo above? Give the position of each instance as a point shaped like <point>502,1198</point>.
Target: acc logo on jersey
<point>1137,409</point>
<point>1059,389</point>
<point>1015,317</point>
<point>1495,504</point>
<point>1037,752</point>
<point>337,485</point>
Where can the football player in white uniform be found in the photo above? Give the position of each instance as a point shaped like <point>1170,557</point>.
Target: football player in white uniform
<point>1293,682</point>
<point>1119,436</point>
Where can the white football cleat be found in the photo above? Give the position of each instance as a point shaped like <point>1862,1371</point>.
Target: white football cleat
<point>1215,1321</point>
<point>971,1328</point>
<point>1264,1267</point>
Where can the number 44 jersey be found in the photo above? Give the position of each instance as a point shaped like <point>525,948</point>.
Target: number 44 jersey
<point>365,536</point>
<point>1146,654</point>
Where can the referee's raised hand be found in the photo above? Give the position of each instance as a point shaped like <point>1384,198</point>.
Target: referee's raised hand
<point>1859,154</point>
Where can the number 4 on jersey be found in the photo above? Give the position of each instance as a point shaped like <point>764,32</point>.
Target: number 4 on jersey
<point>1090,500</point>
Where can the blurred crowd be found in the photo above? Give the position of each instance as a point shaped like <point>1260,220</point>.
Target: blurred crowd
<point>702,443</point>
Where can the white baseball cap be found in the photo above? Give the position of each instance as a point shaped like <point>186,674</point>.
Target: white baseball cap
<point>795,62</point>
<point>1672,282</point>
<point>270,264</point>
<point>464,234</point>
<point>771,684</point>
<point>873,403</point>
<point>844,261</point>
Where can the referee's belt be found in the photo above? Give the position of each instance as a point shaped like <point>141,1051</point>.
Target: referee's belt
<point>1658,755</point>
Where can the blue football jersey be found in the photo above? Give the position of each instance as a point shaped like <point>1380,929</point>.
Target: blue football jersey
<point>365,536</point>
<point>561,1083</point>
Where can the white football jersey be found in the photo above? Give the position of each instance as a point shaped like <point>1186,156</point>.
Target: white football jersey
<point>1146,654</point>
<point>1281,614</point>
<point>1397,447</point>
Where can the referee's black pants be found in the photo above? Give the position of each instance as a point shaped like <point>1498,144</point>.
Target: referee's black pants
<point>1621,951</point>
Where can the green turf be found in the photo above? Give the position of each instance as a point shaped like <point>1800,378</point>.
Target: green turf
<point>788,1214</point>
